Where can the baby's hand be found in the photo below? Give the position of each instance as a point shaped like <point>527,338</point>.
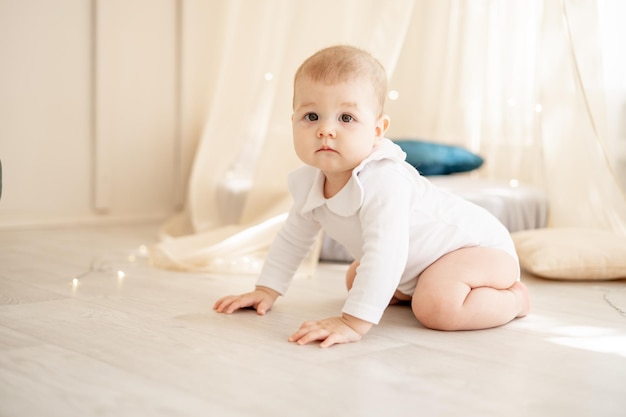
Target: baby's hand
<point>333,330</point>
<point>261,299</point>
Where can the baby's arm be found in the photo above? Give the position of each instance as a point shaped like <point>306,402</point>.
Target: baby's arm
<point>261,299</point>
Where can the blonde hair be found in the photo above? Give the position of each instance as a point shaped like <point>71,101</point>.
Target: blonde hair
<point>340,63</point>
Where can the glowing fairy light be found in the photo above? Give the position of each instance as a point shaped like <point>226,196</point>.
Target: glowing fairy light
<point>142,252</point>
<point>74,286</point>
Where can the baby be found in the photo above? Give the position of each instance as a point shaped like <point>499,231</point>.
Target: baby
<point>451,260</point>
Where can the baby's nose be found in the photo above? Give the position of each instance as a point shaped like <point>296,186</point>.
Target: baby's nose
<point>326,130</point>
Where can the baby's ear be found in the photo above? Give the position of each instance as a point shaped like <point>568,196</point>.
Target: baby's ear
<point>382,124</point>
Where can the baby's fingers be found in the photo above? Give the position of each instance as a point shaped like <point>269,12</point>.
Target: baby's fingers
<point>306,335</point>
<point>330,331</point>
<point>303,330</point>
<point>332,339</point>
<point>259,300</point>
<point>229,304</point>
<point>222,303</point>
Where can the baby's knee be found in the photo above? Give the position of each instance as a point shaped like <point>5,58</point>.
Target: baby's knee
<point>438,314</point>
<point>351,274</point>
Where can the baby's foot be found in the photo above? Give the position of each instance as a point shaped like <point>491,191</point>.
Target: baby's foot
<point>400,299</point>
<point>521,291</point>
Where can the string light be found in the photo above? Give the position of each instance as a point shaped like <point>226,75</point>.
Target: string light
<point>106,267</point>
<point>244,264</point>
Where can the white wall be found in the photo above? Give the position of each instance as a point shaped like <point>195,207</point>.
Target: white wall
<point>89,128</point>
<point>44,109</point>
<point>102,103</point>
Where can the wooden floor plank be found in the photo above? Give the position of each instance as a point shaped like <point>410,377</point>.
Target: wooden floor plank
<point>149,344</point>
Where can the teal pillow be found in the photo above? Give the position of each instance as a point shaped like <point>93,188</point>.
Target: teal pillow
<point>431,158</point>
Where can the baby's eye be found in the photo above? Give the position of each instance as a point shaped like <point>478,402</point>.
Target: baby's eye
<point>346,118</point>
<point>311,117</point>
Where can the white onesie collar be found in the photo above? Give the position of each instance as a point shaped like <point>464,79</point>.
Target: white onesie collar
<point>348,201</point>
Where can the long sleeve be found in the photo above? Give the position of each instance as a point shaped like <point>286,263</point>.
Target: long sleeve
<point>291,245</point>
<point>295,238</point>
<point>385,222</point>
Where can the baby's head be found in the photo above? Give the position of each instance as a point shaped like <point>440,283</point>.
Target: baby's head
<point>341,63</point>
<point>338,120</point>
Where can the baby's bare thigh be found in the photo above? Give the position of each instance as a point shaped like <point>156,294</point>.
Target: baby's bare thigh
<point>474,266</point>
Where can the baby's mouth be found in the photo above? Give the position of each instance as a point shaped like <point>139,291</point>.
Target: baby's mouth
<point>326,149</point>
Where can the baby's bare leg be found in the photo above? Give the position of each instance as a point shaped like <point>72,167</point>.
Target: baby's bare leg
<point>470,288</point>
<point>351,274</point>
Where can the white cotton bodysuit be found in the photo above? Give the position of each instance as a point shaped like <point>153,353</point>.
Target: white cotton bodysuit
<point>389,217</point>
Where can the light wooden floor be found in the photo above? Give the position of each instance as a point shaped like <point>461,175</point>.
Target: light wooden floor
<point>149,344</point>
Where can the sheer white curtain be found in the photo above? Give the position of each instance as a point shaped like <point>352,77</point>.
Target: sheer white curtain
<point>575,126</point>
<point>522,82</point>
<point>525,83</point>
<point>237,189</point>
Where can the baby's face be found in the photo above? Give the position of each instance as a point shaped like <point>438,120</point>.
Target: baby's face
<point>336,126</point>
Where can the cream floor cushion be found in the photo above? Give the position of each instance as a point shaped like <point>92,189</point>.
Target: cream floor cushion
<point>572,253</point>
